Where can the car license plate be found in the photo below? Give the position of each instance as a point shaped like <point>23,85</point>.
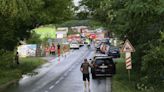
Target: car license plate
<point>103,66</point>
<point>114,52</point>
<point>102,70</point>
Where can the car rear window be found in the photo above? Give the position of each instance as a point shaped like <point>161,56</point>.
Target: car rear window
<point>74,43</point>
<point>104,61</point>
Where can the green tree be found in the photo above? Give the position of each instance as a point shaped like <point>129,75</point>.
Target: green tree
<point>82,15</point>
<point>18,17</point>
<point>141,21</point>
<point>34,39</point>
<point>16,20</point>
<point>92,24</point>
<point>57,11</point>
<point>153,65</point>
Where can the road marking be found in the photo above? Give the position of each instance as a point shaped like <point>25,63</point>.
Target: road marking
<point>51,87</point>
<point>57,82</point>
<point>61,78</point>
<point>65,74</point>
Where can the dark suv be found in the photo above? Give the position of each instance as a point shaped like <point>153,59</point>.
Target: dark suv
<point>114,52</point>
<point>103,66</point>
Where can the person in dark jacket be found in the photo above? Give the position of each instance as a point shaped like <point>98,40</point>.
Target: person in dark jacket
<point>85,70</point>
<point>58,49</point>
<point>17,58</point>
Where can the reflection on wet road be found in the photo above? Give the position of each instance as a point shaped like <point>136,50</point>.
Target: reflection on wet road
<point>62,75</point>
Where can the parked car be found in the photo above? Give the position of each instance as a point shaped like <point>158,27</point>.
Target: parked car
<point>97,42</point>
<point>114,52</point>
<point>98,47</point>
<point>74,45</point>
<point>106,41</point>
<point>102,66</point>
<point>101,42</point>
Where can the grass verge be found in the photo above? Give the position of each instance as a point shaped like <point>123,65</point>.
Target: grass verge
<point>15,71</point>
<point>121,83</point>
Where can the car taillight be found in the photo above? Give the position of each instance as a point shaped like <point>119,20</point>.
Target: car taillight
<point>110,65</point>
<point>95,65</point>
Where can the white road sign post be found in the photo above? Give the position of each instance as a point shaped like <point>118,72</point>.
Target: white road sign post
<point>127,49</point>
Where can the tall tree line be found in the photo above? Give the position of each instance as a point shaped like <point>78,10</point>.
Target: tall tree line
<point>142,22</point>
<point>18,17</point>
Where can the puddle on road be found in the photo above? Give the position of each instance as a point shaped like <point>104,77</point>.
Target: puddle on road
<point>32,74</point>
<point>28,75</point>
<point>13,87</point>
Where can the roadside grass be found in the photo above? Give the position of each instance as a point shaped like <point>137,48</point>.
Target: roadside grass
<point>121,83</point>
<point>27,65</point>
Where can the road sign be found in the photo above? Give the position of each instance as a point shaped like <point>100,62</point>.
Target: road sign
<point>127,47</point>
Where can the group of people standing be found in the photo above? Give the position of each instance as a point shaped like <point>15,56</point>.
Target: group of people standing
<point>52,50</point>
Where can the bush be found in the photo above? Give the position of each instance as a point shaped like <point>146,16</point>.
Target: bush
<point>153,67</point>
<point>6,59</point>
<point>10,71</point>
<point>34,39</point>
<point>14,72</point>
<point>29,64</point>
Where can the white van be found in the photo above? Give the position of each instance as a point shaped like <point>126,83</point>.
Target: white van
<point>74,45</point>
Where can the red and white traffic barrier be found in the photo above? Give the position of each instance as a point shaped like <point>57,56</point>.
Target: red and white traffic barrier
<point>128,60</point>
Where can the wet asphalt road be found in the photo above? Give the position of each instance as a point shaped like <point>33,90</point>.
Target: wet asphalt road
<point>62,75</point>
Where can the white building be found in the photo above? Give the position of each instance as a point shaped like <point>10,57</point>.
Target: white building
<point>62,29</point>
<point>80,29</point>
<point>62,32</point>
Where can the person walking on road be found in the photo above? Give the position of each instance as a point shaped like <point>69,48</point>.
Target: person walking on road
<point>85,70</point>
<point>58,49</point>
<point>64,50</point>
